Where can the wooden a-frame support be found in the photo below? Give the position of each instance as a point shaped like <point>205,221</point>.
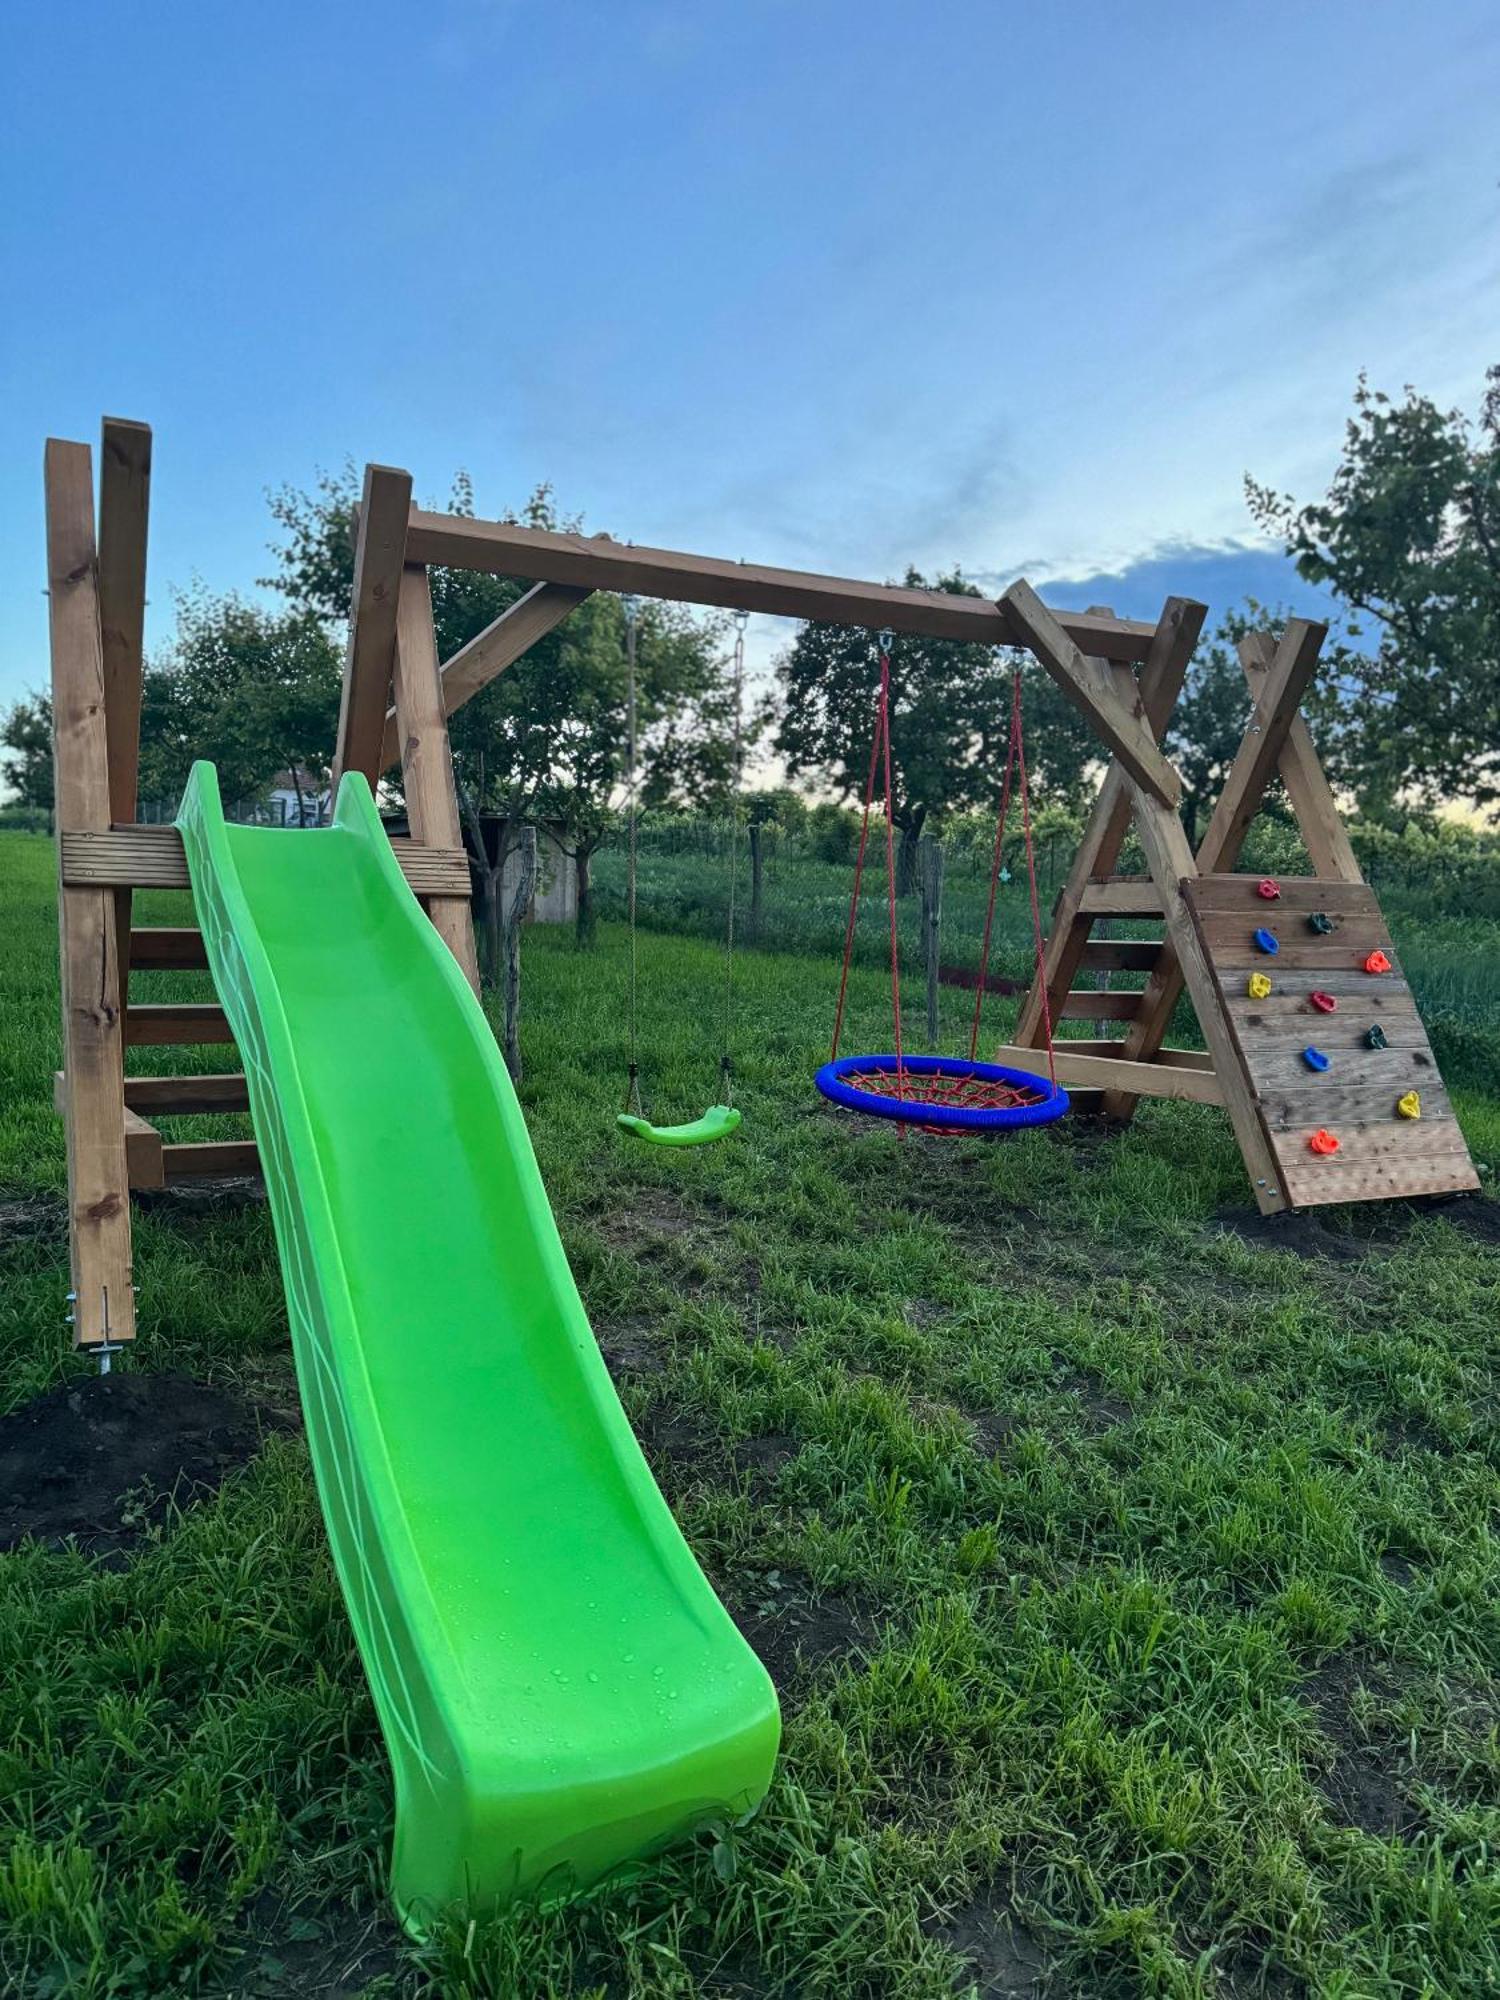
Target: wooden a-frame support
<point>1253,1065</point>
<point>395,705</point>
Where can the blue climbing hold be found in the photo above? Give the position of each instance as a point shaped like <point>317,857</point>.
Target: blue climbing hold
<point>1314,1058</point>
<point>1267,941</point>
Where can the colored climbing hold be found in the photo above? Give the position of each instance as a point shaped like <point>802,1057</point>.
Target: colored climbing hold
<point>1375,1037</point>
<point>1324,1002</point>
<point>1322,1142</point>
<point>1269,890</point>
<point>1257,986</point>
<point>1377,962</point>
<point>1322,923</point>
<point>1409,1106</point>
<point>1315,1058</point>
<point>1267,941</point>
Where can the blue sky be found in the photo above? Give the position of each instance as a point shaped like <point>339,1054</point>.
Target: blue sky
<point>840,284</point>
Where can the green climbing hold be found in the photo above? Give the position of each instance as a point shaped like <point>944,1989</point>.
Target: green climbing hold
<point>1375,1037</point>
<point>1321,922</point>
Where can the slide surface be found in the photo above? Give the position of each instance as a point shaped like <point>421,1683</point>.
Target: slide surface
<point>560,1690</point>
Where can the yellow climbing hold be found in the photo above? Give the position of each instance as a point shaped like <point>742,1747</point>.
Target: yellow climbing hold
<point>1257,986</point>
<point>1409,1106</point>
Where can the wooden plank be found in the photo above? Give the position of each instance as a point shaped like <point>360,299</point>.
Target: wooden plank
<point>1313,1183</point>
<point>124,511</point>
<point>1227,894</point>
<point>1298,1024</point>
<point>1323,835</point>
<point>184,1096</point>
<point>369,658</point>
<point>1120,954</point>
<point>1171,859</point>
<point>1161,680</point>
<point>1391,1139</point>
<point>165,948</point>
<point>152,857</point>
<point>1087,683</point>
<point>143,1152</point>
<point>209,1159</point>
<point>1231,943</point>
<point>491,651</point>
<point>598,563</point>
<point>1279,1066</point>
<point>1122,896</point>
<point>1099,1072</point>
<point>1089,1004</point>
<point>161,1024</point>
<point>1342,1108</point>
<point>92,1041</point>
<point>426,758</point>
<point>1372,992</point>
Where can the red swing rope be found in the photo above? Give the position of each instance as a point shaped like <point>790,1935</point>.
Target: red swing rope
<point>1015,762</point>
<point>880,758</point>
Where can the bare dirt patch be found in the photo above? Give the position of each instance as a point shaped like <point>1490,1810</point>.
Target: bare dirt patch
<point>794,1631</point>
<point>1299,1232</point>
<point>337,1955</point>
<point>1366,1784</point>
<point>39,1218</point>
<point>1005,1959</point>
<point>103,1457</point>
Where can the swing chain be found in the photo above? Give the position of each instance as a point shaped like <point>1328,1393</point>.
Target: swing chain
<point>631,607</point>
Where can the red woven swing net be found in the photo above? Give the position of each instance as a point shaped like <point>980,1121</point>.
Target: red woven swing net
<point>952,1092</point>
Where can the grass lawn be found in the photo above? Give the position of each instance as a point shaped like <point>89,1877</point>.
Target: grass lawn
<point>1130,1571</point>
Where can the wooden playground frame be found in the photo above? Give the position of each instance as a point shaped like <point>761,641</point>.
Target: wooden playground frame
<point>1122,674</point>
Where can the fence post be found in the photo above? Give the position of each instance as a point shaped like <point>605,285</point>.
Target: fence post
<point>931,857</point>
<point>520,903</point>
<point>755,882</point>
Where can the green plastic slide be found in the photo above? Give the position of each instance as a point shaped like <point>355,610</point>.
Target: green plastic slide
<point>561,1692</point>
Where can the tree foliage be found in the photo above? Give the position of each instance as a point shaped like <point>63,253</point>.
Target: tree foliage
<point>27,739</point>
<point>1408,536</point>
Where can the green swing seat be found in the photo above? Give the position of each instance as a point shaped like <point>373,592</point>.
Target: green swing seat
<point>716,1123</point>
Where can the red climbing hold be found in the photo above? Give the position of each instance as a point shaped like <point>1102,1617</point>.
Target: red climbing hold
<point>1324,1002</point>
<point>1377,962</point>
<point>1269,890</point>
<point>1322,1142</point>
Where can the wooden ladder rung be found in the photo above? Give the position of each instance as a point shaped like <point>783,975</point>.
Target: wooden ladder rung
<point>158,1023</point>
<point>167,949</point>
<point>1121,896</point>
<point>203,1159</point>
<point>1122,955</point>
<point>1089,1004</point>
<point>181,1096</point>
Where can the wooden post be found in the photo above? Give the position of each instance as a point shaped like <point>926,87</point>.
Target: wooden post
<point>931,851</point>
<point>427,759</point>
<point>756,859</point>
<point>519,904</point>
<point>124,510</point>
<point>93,1042</point>
<point>369,662</point>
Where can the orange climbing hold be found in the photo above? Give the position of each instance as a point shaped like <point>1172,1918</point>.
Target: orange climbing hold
<point>1377,962</point>
<point>1322,1142</point>
<point>1257,986</point>
<point>1409,1106</point>
<point>1269,890</point>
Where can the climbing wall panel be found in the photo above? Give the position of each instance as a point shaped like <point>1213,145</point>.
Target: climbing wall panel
<point>1332,1048</point>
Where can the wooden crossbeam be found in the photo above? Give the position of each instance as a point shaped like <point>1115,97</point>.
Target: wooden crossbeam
<point>163,948</point>
<point>369,661</point>
<point>597,563</point>
<point>491,651</point>
<point>1083,895</point>
<point>426,758</point>
<point>163,1023</point>
<point>179,1096</point>
<point>93,1046</point>
<point>1085,1066</point>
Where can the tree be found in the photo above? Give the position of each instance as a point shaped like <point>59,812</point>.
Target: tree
<point>547,737</point>
<point>950,717</point>
<point>1408,536</point>
<point>27,738</point>
<point>255,690</point>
